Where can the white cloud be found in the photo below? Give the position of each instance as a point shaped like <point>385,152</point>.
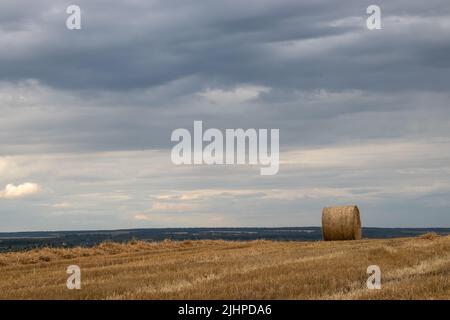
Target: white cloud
<point>237,95</point>
<point>399,154</point>
<point>185,220</point>
<point>8,167</point>
<point>171,207</point>
<point>61,205</point>
<point>3,165</point>
<point>23,190</point>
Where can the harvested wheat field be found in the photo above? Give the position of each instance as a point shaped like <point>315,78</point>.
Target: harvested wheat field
<point>414,268</point>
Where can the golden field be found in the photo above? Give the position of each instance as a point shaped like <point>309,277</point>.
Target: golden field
<point>414,268</point>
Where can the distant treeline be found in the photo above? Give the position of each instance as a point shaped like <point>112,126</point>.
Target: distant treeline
<point>27,240</point>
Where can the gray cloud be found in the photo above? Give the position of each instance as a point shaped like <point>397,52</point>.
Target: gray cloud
<point>139,45</point>
<point>78,105</point>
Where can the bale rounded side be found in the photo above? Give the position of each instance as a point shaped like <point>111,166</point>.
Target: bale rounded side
<point>341,223</point>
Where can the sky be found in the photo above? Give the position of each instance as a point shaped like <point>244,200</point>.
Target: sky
<point>87,115</point>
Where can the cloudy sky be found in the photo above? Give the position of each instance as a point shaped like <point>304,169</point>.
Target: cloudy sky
<point>86,115</point>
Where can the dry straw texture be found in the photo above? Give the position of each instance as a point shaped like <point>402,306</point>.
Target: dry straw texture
<point>416,268</point>
<point>341,223</point>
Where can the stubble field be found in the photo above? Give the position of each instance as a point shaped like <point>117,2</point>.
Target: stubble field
<point>414,268</point>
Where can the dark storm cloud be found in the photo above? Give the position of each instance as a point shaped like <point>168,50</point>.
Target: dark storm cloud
<point>142,44</point>
<point>134,71</point>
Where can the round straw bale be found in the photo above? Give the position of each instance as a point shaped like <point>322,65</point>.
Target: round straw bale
<point>341,223</point>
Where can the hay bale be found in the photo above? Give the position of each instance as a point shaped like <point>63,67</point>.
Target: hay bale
<point>341,223</point>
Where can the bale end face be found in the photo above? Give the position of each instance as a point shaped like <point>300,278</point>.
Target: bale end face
<point>341,223</point>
